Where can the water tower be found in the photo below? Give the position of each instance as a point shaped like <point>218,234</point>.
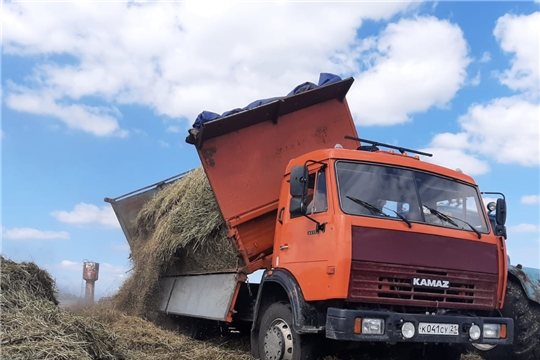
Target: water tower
<point>90,275</point>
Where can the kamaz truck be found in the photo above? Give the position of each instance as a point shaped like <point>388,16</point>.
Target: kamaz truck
<point>355,238</point>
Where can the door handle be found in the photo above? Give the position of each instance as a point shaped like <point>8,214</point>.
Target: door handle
<point>283,247</point>
<point>280,219</point>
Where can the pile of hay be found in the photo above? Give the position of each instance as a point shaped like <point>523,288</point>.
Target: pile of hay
<point>34,327</point>
<point>179,230</point>
<point>146,341</point>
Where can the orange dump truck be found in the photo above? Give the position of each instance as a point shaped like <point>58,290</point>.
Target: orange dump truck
<point>358,244</point>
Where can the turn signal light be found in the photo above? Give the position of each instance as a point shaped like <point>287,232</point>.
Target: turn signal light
<point>358,326</point>
<point>502,334</point>
<point>503,331</point>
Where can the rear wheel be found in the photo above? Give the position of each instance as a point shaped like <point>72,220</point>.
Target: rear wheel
<point>279,341</point>
<point>526,315</point>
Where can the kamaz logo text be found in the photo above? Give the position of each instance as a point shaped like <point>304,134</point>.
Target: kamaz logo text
<point>443,284</point>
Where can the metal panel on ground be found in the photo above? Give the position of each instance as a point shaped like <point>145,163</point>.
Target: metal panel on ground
<point>205,296</point>
<point>165,288</point>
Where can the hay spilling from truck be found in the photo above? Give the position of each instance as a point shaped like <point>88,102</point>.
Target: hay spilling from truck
<point>180,230</point>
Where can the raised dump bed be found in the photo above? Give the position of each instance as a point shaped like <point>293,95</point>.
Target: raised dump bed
<point>244,156</point>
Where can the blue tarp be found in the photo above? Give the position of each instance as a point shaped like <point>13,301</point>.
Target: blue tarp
<point>324,79</point>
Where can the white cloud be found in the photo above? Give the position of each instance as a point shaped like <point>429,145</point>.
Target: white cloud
<point>414,64</point>
<point>86,214</point>
<point>70,265</point>
<point>524,228</point>
<point>449,150</point>
<point>486,57</point>
<point>32,234</point>
<point>173,129</point>
<point>95,120</point>
<point>188,57</point>
<point>504,129</point>
<point>530,199</point>
<point>520,35</point>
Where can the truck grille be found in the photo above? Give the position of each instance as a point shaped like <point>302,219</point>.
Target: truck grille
<point>393,285</point>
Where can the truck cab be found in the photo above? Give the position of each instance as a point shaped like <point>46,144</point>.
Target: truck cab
<point>401,247</point>
<point>366,208</point>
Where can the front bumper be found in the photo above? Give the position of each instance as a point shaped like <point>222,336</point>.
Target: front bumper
<point>340,326</point>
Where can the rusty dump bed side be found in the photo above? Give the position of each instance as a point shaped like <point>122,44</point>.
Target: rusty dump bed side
<point>245,156</point>
<point>127,206</point>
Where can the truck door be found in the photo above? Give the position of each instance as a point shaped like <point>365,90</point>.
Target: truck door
<point>302,250</point>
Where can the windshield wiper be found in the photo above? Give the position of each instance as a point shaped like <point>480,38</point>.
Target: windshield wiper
<point>449,219</point>
<point>472,228</point>
<point>367,205</point>
<point>401,217</point>
<point>441,216</point>
<point>375,209</point>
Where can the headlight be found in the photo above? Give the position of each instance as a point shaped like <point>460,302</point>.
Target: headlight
<point>408,330</point>
<point>494,331</point>
<point>373,326</point>
<point>474,332</point>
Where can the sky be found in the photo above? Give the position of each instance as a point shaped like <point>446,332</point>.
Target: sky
<point>97,98</point>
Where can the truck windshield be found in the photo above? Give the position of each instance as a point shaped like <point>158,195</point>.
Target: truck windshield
<point>417,196</point>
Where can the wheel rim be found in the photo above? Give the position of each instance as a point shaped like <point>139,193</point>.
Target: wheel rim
<point>278,341</point>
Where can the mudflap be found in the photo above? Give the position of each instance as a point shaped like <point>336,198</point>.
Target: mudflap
<point>207,296</point>
<point>529,279</point>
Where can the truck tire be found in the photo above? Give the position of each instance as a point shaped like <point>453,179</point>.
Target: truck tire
<point>526,315</point>
<point>279,341</point>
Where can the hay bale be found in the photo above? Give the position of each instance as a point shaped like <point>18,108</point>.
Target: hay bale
<point>179,230</point>
<point>34,327</point>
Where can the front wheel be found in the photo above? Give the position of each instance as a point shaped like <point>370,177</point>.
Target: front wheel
<point>526,315</point>
<point>279,341</point>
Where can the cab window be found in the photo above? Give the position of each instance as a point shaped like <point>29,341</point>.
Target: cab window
<point>317,197</point>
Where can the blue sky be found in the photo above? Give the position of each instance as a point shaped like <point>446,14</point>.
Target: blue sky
<point>97,98</point>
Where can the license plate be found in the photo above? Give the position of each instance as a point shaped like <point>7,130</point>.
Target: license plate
<point>438,329</point>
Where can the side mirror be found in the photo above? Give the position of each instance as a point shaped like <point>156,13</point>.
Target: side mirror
<point>298,206</point>
<point>500,230</point>
<point>299,181</point>
<point>500,215</point>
